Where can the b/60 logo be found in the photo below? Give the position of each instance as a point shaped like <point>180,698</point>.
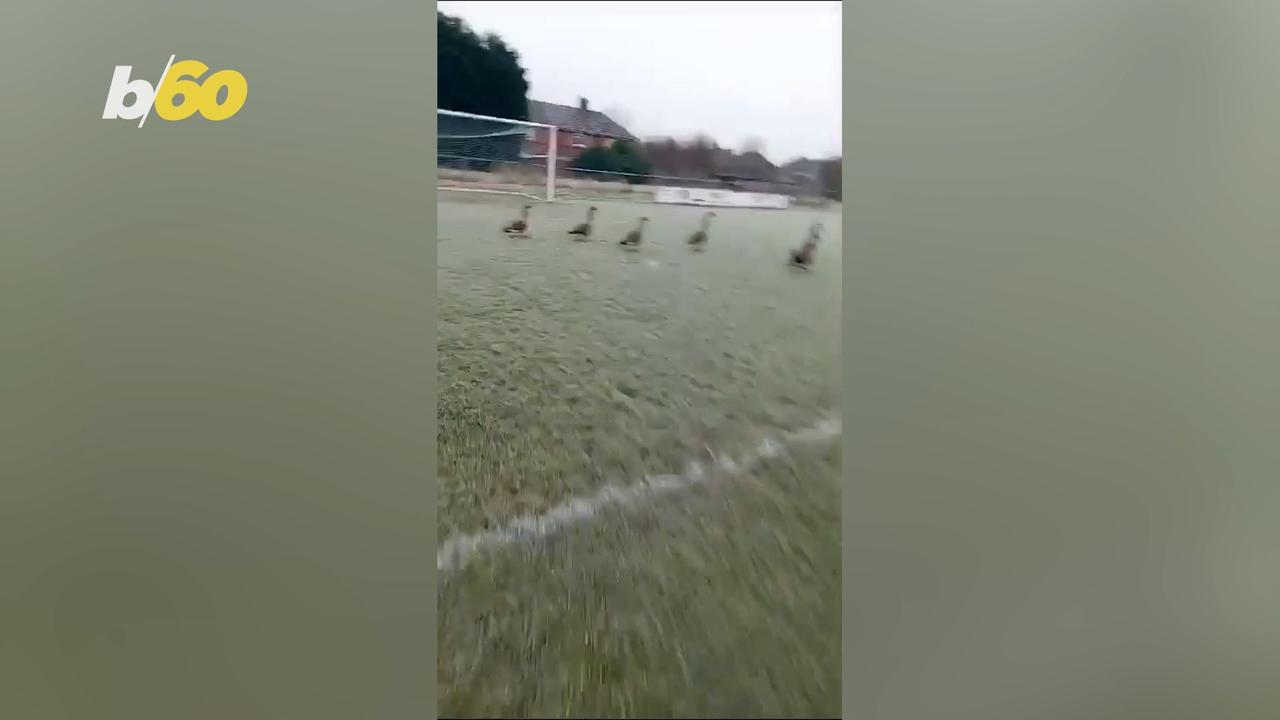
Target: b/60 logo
<point>179,94</point>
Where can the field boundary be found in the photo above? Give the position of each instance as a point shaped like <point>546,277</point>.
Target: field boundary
<point>526,182</point>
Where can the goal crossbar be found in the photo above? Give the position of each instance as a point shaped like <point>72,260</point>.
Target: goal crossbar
<point>491,118</point>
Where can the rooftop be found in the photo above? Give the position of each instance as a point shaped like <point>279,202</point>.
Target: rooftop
<point>578,119</point>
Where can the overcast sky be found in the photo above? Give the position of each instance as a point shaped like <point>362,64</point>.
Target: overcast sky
<point>730,69</point>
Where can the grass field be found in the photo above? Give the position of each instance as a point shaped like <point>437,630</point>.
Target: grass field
<point>639,465</point>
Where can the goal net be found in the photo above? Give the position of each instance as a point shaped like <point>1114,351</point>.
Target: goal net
<point>478,153</point>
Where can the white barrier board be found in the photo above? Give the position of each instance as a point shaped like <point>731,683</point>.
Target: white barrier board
<point>720,198</point>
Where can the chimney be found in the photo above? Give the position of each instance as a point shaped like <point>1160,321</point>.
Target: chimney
<point>582,103</point>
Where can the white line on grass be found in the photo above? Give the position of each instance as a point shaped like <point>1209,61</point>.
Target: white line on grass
<point>458,550</point>
<point>491,192</point>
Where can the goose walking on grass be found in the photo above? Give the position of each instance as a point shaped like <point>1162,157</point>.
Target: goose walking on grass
<point>519,227</point>
<point>582,231</point>
<point>634,237</point>
<point>803,257</point>
<point>698,240</point>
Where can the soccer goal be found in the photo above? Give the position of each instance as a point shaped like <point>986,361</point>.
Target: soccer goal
<point>479,153</point>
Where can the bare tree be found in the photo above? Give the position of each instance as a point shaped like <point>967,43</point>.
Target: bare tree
<point>664,153</point>
<point>693,158</point>
<point>753,144</point>
<point>830,176</point>
<point>701,155</point>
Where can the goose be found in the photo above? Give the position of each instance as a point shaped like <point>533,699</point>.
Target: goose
<point>582,231</point>
<point>519,227</point>
<point>634,237</point>
<point>803,257</point>
<point>698,240</point>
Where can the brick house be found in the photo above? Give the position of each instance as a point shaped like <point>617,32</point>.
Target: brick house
<point>578,128</point>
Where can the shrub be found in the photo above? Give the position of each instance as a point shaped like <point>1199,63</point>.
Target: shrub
<point>619,157</point>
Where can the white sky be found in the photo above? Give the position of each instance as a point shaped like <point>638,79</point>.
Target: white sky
<point>733,70</point>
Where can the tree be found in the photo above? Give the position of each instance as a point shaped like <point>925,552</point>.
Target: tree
<point>664,154</point>
<point>829,173</point>
<point>631,159</point>
<point>597,159</point>
<point>700,156</point>
<point>620,157</point>
<point>478,75</point>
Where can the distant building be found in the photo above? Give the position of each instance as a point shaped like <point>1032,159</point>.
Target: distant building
<point>749,171</point>
<point>578,128</point>
<point>803,173</point>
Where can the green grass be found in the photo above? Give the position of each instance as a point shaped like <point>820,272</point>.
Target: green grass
<point>565,365</point>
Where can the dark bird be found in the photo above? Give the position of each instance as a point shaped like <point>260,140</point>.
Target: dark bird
<point>519,227</point>
<point>582,231</point>
<point>698,240</point>
<point>634,237</point>
<point>803,257</point>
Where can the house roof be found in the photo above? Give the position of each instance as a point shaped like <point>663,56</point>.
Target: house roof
<point>748,165</point>
<point>588,122</point>
<point>803,166</point>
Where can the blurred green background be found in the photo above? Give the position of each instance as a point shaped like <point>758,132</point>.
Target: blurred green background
<point>1063,349</point>
<point>216,420</point>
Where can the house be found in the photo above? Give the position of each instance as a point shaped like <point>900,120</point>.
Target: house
<point>749,171</point>
<point>803,173</point>
<point>578,128</point>
<point>750,165</point>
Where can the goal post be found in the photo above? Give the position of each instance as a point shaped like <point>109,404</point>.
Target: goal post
<point>481,153</point>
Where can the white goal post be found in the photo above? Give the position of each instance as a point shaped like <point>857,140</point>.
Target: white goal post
<point>481,144</point>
